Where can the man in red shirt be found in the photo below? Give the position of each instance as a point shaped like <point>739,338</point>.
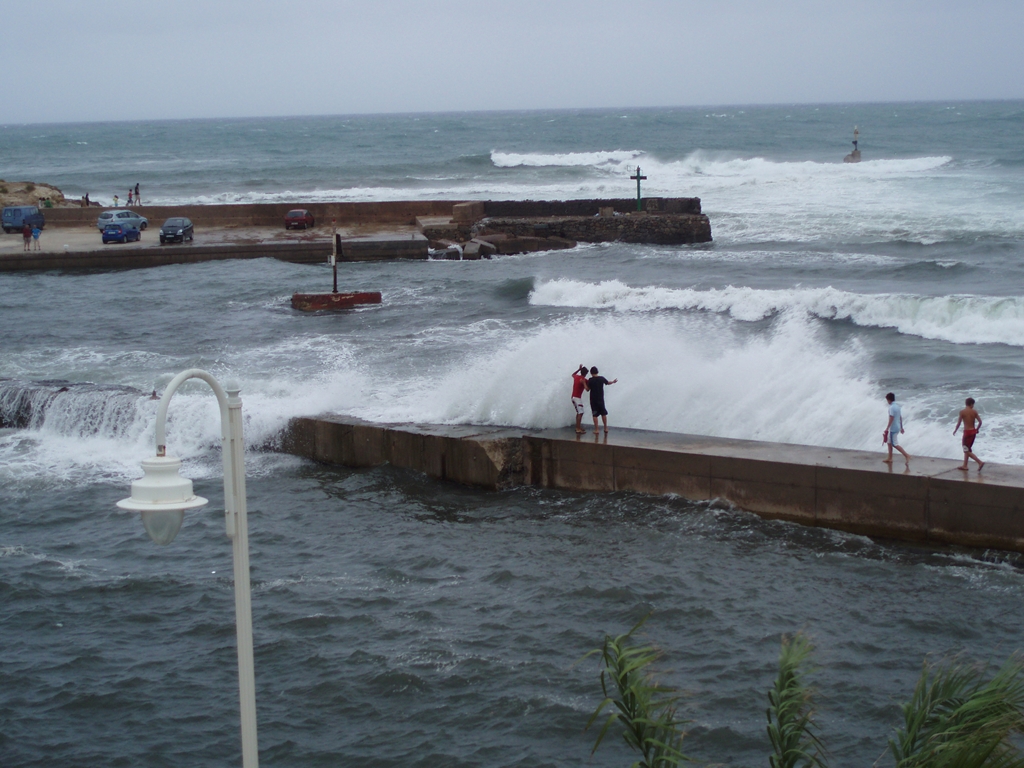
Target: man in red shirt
<point>579,383</point>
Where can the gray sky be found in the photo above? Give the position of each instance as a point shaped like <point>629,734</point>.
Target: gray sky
<point>154,59</point>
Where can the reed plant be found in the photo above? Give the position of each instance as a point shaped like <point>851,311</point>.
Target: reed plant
<point>958,719</point>
<point>791,728</point>
<point>645,709</point>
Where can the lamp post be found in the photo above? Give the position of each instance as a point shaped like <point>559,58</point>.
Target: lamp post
<point>162,497</point>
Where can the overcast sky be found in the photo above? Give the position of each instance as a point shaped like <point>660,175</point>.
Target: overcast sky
<point>155,59</point>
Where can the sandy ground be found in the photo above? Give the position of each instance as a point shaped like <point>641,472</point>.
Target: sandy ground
<point>79,239</point>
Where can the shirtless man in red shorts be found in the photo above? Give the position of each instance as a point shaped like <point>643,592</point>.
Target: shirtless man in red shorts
<point>969,417</point>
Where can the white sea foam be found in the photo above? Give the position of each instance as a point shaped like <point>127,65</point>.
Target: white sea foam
<point>788,386</point>
<point>719,165</point>
<point>566,159</point>
<point>676,373</point>
<point>958,319</point>
<point>749,199</point>
<point>74,442</point>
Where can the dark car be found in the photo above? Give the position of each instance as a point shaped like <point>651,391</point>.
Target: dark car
<point>120,233</point>
<point>298,218</point>
<point>176,230</point>
<point>17,216</point>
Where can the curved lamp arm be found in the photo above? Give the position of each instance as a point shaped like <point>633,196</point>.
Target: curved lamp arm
<point>237,529</point>
<point>232,449</point>
<point>165,400</point>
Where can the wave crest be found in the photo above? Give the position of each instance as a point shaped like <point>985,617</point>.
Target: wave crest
<point>957,319</point>
<point>564,159</point>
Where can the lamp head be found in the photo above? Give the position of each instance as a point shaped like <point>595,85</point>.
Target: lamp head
<point>162,496</point>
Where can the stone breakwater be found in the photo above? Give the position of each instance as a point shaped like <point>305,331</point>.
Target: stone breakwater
<point>455,230</point>
<point>930,501</point>
<point>483,229</point>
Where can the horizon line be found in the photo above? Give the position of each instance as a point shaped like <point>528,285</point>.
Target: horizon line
<point>751,105</point>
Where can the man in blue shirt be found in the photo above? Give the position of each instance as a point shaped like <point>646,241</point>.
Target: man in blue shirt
<point>894,429</point>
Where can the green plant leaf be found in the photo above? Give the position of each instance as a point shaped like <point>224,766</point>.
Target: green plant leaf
<point>957,719</point>
<point>644,709</point>
<point>791,729</point>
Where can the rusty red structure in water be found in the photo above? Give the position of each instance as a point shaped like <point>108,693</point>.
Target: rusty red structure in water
<point>312,302</point>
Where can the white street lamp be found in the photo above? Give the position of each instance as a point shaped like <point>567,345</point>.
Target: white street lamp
<point>162,497</point>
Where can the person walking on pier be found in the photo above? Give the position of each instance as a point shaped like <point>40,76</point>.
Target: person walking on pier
<point>596,385</point>
<point>579,383</point>
<point>894,429</point>
<point>971,420</point>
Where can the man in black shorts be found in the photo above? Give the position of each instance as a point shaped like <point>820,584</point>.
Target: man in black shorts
<point>595,384</point>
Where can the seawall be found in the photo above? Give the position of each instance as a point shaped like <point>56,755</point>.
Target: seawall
<point>930,502</point>
<point>381,248</point>
<point>522,226</point>
<point>138,258</point>
<point>392,212</point>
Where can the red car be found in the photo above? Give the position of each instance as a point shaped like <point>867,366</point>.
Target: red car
<point>299,218</point>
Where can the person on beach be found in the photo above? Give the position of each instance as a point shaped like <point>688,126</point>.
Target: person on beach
<point>138,197</point>
<point>26,236</point>
<point>596,385</point>
<point>115,201</point>
<point>36,232</point>
<point>971,420</point>
<point>129,203</point>
<point>894,429</point>
<point>579,383</point>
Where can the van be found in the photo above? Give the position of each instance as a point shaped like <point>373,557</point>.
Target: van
<point>17,216</point>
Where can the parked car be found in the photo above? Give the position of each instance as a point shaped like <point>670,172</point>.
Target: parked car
<point>120,233</point>
<point>17,216</point>
<point>122,217</point>
<point>297,218</point>
<point>176,230</point>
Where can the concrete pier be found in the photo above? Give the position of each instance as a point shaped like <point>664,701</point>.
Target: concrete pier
<point>523,226</point>
<point>931,501</point>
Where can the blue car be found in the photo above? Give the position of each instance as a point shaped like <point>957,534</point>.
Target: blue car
<point>118,233</point>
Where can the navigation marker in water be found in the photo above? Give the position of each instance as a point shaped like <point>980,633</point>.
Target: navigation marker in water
<point>638,178</point>
<point>311,302</point>
<point>854,157</point>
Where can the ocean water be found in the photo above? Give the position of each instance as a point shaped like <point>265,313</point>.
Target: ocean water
<point>400,621</point>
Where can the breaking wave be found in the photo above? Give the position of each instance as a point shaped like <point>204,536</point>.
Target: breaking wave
<point>957,319</point>
<point>565,159</point>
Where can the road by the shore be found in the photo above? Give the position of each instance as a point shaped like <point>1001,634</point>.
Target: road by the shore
<point>80,239</point>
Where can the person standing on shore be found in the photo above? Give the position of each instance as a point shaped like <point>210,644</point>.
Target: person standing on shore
<point>138,197</point>
<point>579,383</point>
<point>971,420</point>
<point>36,232</point>
<point>129,203</point>
<point>894,429</point>
<point>26,236</point>
<point>115,200</point>
<point>596,385</point>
